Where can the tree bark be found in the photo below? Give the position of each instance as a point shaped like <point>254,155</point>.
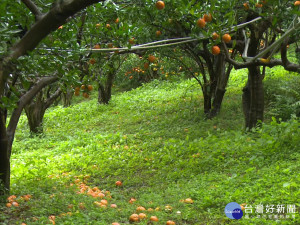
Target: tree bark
<point>4,156</point>
<point>253,98</point>
<point>104,92</point>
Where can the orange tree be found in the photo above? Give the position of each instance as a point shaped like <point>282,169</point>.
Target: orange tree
<point>220,34</point>
<point>43,21</point>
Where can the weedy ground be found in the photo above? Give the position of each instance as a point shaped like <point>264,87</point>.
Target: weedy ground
<point>155,140</point>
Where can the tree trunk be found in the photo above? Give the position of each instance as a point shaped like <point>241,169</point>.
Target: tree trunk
<point>104,93</point>
<point>35,112</point>
<point>4,156</point>
<point>67,97</point>
<point>253,98</point>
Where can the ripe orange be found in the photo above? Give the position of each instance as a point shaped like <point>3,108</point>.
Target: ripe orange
<point>130,77</point>
<point>134,218</point>
<point>117,20</point>
<point>86,95</point>
<point>170,222</point>
<point>110,45</point>
<point>107,26</point>
<point>215,50</point>
<point>258,5</point>
<point>90,87</point>
<point>151,58</point>
<point>146,65</point>
<point>201,23</point>
<point>113,205</point>
<point>82,87</point>
<point>207,18</point>
<point>154,218</point>
<point>297,3</point>
<point>118,183</point>
<point>77,89</point>
<point>131,41</point>
<point>160,5</point>
<point>15,204</point>
<point>142,216</point>
<point>132,200</point>
<point>189,201</point>
<point>8,205</point>
<point>215,36</point>
<point>246,6</point>
<point>104,202</point>
<point>115,223</point>
<point>226,38</point>
<point>92,61</point>
<point>98,25</point>
<point>97,46</point>
<point>140,208</point>
<point>158,33</point>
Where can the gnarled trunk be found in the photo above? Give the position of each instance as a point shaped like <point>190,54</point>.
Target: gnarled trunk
<point>4,156</point>
<point>253,98</point>
<point>104,92</point>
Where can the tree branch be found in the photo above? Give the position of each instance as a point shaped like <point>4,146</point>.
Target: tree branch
<point>33,8</point>
<point>57,16</point>
<point>24,100</point>
<point>52,98</point>
<point>286,63</point>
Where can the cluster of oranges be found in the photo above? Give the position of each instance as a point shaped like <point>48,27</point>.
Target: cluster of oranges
<point>13,201</point>
<point>85,88</point>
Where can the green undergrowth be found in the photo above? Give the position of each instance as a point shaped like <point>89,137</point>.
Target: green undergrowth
<point>156,141</point>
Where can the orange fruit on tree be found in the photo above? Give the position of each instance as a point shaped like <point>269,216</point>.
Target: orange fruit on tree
<point>226,38</point>
<point>97,46</point>
<point>130,77</point>
<point>160,5</point>
<point>215,36</point>
<point>82,87</point>
<point>201,23</point>
<point>151,58</point>
<point>8,205</point>
<point>170,222</point>
<point>90,87</point>
<point>131,41</point>
<point>215,50</point>
<point>85,95</point>
<point>134,218</point>
<point>246,6</point>
<point>98,25</point>
<point>154,218</point>
<point>117,20</point>
<point>115,223</point>
<point>158,33</point>
<point>118,183</point>
<point>107,26</point>
<point>297,3</point>
<point>258,5</point>
<point>92,61</point>
<point>207,18</point>
<point>110,45</point>
<point>146,65</point>
<point>77,89</point>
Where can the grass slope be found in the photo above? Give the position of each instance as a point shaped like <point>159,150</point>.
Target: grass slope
<point>156,141</point>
